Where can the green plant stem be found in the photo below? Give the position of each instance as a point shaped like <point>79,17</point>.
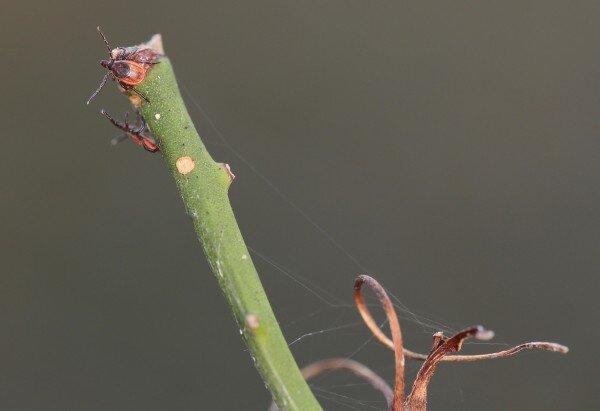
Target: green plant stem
<point>204,193</point>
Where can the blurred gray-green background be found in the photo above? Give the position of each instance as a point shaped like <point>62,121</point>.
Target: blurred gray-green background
<point>452,148</point>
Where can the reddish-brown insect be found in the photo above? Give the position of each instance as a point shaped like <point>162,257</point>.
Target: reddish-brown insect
<point>138,133</point>
<point>127,65</point>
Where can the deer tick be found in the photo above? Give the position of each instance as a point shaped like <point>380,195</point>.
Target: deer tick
<point>139,133</point>
<point>127,65</point>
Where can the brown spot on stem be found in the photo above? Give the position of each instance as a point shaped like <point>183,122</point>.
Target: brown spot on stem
<point>252,321</point>
<point>185,165</point>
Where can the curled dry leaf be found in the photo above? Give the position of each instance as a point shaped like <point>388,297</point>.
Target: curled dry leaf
<point>441,347</point>
<point>388,307</point>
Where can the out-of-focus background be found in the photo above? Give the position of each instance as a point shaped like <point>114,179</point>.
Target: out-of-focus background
<point>450,148</point>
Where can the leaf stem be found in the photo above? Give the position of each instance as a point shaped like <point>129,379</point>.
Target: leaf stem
<point>203,185</point>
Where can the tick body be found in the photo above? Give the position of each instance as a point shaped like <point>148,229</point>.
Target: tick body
<point>138,133</point>
<point>127,72</point>
<point>127,65</point>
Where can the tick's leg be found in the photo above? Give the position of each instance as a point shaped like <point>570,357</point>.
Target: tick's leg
<point>139,93</point>
<point>141,122</point>
<point>115,122</point>
<point>125,127</point>
<point>102,83</point>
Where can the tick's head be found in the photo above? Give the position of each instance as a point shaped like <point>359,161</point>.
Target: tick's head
<point>107,64</point>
